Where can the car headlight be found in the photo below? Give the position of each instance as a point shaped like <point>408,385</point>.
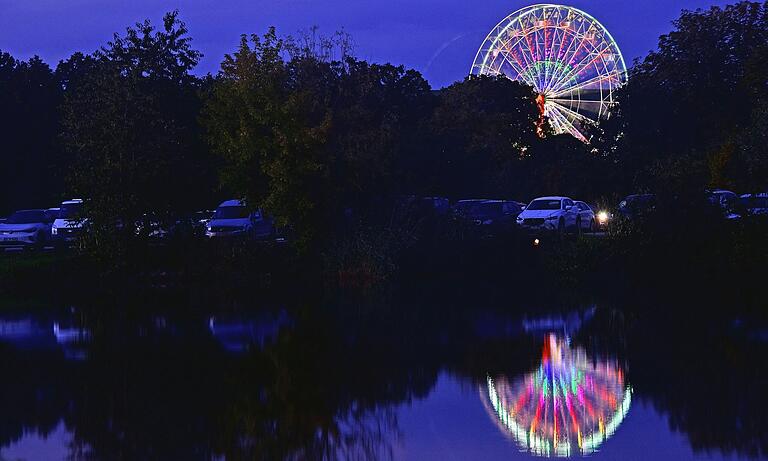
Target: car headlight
<point>519,220</point>
<point>54,231</point>
<point>602,217</point>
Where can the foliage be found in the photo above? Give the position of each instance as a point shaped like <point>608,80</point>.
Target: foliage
<point>129,120</point>
<point>481,129</point>
<point>307,138</point>
<point>691,108</point>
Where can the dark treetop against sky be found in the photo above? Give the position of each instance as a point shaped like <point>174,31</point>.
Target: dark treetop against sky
<point>437,37</point>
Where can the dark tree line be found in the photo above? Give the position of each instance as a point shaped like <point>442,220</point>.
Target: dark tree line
<point>693,113</point>
<point>302,128</point>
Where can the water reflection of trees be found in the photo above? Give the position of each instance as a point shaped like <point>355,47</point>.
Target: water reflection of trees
<point>312,395</point>
<point>31,396</point>
<point>696,368</point>
<point>329,385</point>
<point>710,382</point>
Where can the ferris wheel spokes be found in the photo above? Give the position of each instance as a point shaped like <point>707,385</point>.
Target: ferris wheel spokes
<point>568,58</point>
<point>611,78</point>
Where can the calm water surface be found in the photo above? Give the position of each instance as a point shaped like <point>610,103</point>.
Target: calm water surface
<point>362,381</point>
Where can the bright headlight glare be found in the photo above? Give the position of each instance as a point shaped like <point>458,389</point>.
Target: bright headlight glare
<point>602,217</point>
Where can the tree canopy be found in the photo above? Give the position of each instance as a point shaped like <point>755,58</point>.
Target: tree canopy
<point>691,107</point>
<point>129,122</point>
<point>307,137</point>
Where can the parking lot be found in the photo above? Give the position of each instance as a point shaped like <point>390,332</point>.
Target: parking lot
<point>61,228</point>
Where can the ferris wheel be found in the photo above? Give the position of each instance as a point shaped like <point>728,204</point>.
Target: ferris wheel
<point>566,55</point>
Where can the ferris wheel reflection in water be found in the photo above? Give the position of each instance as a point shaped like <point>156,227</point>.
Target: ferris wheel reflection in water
<point>568,406</point>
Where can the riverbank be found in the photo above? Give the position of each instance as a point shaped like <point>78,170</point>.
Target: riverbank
<point>722,260</point>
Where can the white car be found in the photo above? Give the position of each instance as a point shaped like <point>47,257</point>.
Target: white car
<point>26,228</point>
<point>550,214</point>
<point>233,219</point>
<point>70,222</point>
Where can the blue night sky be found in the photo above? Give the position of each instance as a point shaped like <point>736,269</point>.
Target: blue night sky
<point>438,38</point>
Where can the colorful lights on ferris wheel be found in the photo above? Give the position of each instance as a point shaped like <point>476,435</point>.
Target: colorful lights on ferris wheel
<point>569,406</point>
<point>566,55</point>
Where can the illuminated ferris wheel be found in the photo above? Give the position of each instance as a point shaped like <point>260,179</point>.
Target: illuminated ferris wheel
<point>568,406</point>
<point>566,55</point>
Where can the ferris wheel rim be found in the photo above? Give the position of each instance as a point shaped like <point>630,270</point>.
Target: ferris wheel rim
<point>548,5</point>
<point>579,85</point>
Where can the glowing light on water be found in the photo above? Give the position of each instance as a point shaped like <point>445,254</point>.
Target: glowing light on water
<point>569,406</point>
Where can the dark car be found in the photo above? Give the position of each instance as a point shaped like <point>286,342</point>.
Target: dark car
<point>635,206</point>
<point>425,217</point>
<point>726,201</point>
<point>462,207</point>
<point>491,217</point>
<point>754,204</point>
<point>191,225</point>
<point>422,207</point>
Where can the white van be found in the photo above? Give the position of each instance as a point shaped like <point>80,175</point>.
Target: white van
<point>70,222</point>
<point>233,219</point>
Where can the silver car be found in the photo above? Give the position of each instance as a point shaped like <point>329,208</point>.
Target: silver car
<point>549,214</point>
<point>26,228</point>
<point>586,219</point>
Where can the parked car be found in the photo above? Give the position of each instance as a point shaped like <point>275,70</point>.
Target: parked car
<point>202,218</point>
<point>439,206</point>
<point>26,228</point>
<point>425,217</point>
<point>586,219</point>
<point>69,223</point>
<point>53,213</point>
<point>724,198</point>
<point>550,214</point>
<point>151,226</point>
<point>461,207</point>
<point>422,207</point>
<point>234,219</point>
<point>636,205</point>
<point>728,201</point>
<point>190,225</point>
<point>754,204</point>
<point>492,217</point>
